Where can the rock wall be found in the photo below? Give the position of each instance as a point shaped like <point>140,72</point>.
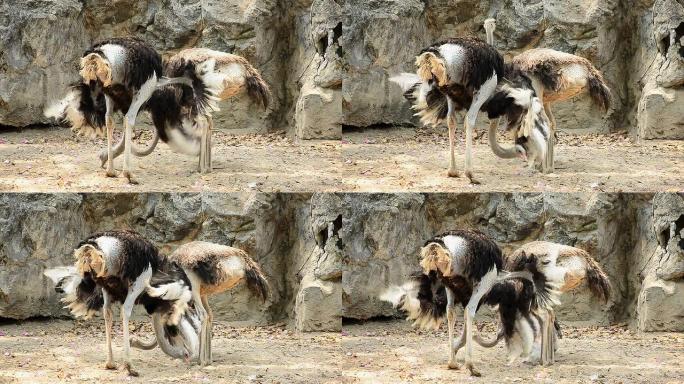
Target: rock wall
<point>42,40</point>
<point>637,45</point>
<point>637,238</point>
<point>278,231</point>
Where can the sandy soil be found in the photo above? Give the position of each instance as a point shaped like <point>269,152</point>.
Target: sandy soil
<point>69,351</point>
<point>54,160</point>
<point>371,160</point>
<point>392,352</point>
<point>408,159</point>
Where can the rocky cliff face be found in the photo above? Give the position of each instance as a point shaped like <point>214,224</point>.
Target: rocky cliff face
<point>42,40</point>
<point>280,232</point>
<point>636,44</point>
<point>636,238</point>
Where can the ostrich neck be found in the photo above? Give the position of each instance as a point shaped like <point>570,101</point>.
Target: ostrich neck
<point>504,153</point>
<point>490,37</point>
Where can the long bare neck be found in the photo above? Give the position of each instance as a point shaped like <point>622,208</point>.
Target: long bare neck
<point>489,29</point>
<point>502,152</point>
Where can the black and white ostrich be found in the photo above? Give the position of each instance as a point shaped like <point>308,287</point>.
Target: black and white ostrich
<point>556,76</point>
<point>459,266</point>
<point>182,116</point>
<point>466,73</point>
<point>117,74</point>
<point>124,267</point>
<point>211,269</point>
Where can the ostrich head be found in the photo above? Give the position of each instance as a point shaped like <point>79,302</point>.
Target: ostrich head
<point>490,26</point>
<point>90,259</point>
<point>435,257</point>
<point>94,67</point>
<point>520,151</point>
<point>431,66</point>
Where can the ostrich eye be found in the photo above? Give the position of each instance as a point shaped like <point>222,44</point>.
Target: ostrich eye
<point>546,262</point>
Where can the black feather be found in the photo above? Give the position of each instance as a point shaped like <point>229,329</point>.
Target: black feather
<point>481,61</point>
<point>142,61</point>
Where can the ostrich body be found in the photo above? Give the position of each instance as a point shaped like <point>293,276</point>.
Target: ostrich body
<point>466,73</point>
<point>556,76</point>
<point>185,122</point>
<point>212,269</point>
<point>123,267</point>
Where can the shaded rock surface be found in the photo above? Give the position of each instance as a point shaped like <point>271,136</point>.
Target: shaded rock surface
<point>40,231</point>
<point>623,232</point>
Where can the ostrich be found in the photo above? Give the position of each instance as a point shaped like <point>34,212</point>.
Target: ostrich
<point>466,263</point>
<point>117,74</point>
<point>124,267</point>
<point>182,120</point>
<point>212,269</point>
<point>466,73</point>
<point>556,76</point>
<point>564,268</point>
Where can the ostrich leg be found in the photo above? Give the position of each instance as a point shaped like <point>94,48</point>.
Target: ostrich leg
<point>451,123</point>
<point>205,146</point>
<point>547,347</point>
<point>108,329</point>
<point>210,324</point>
<point>551,143</point>
<point>134,291</point>
<point>196,284</point>
<point>480,290</point>
<point>451,319</point>
<point>481,96</point>
<point>209,133</point>
<point>143,94</point>
<point>109,122</point>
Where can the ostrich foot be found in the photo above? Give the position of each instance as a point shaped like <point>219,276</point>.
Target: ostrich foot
<point>530,171</point>
<point>471,178</point>
<point>111,173</point>
<point>453,173</point>
<point>110,365</point>
<point>130,370</point>
<point>128,175</point>
<point>530,362</point>
<point>472,370</point>
<point>453,364</point>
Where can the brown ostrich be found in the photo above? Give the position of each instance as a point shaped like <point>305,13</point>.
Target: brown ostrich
<point>565,268</point>
<point>212,269</point>
<point>556,76</point>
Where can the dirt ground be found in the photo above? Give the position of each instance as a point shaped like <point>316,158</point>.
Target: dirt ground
<point>70,351</point>
<point>408,159</point>
<point>392,352</point>
<point>55,160</point>
<point>370,160</point>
